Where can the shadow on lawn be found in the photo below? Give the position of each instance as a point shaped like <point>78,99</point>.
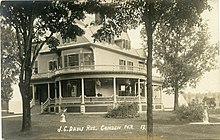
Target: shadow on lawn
<point>45,126</point>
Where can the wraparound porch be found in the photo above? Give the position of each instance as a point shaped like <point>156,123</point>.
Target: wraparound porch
<point>92,95</point>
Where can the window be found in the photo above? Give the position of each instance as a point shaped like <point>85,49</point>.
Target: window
<point>68,40</point>
<point>141,65</point>
<point>126,44</point>
<point>156,91</point>
<point>87,59</point>
<point>130,65</point>
<point>122,64</point>
<point>52,65</point>
<point>35,67</point>
<point>60,62</point>
<point>71,60</point>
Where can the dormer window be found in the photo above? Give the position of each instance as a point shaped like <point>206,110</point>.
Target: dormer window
<point>126,44</point>
<point>123,43</point>
<point>68,40</point>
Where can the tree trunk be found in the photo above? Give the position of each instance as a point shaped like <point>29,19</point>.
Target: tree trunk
<point>7,106</point>
<point>176,97</point>
<point>149,90</point>
<point>25,89</point>
<point>149,32</point>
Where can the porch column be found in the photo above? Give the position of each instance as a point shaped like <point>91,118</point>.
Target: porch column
<point>33,94</point>
<point>48,91</point>
<point>153,94</point>
<point>60,90</point>
<point>55,91</point>
<point>139,95</point>
<point>82,107</point>
<point>48,95</point>
<point>139,91</point>
<point>114,90</point>
<point>161,90</point>
<point>145,91</point>
<point>60,96</point>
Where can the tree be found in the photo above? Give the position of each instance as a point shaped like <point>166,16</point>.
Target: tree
<point>129,14</point>
<point>209,102</point>
<point>9,63</point>
<point>37,23</point>
<point>6,91</point>
<point>182,56</point>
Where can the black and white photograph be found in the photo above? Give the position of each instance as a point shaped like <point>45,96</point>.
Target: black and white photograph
<point>110,69</point>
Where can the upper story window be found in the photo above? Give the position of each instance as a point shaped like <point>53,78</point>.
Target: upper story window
<point>35,67</point>
<point>122,64</point>
<point>141,65</point>
<point>52,65</point>
<point>59,62</point>
<point>130,65</point>
<point>71,60</point>
<point>87,59</point>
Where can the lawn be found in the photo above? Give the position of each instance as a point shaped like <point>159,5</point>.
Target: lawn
<point>98,127</point>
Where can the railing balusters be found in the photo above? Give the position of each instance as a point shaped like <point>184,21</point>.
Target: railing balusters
<point>91,68</point>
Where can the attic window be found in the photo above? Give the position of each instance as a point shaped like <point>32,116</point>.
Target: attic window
<point>68,40</point>
<point>126,44</point>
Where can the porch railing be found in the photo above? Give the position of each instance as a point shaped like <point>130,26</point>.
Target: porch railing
<point>128,99</point>
<point>44,105</point>
<point>90,68</point>
<point>93,100</point>
<point>99,99</point>
<point>71,100</point>
<point>32,103</point>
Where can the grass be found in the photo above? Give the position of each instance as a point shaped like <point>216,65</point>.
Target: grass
<point>165,127</point>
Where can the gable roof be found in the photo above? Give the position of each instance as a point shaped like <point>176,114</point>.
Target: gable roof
<point>87,38</point>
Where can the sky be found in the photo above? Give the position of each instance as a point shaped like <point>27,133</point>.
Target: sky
<point>210,81</point>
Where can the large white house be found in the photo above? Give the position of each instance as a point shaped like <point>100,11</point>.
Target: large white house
<point>91,77</point>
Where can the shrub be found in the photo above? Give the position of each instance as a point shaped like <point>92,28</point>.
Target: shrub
<point>192,112</point>
<point>124,110</point>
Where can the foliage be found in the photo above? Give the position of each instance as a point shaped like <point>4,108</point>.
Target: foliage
<point>192,112</point>
<point>183,55</point>
<point>9,63</point>
<point>210,102</point>
<point>124,110</point>
<point>129,14</point>
<point>37,23</point>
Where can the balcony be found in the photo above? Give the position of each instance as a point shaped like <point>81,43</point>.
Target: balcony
<point>93,68</point>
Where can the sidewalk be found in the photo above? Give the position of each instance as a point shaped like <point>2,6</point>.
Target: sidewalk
<point>11,116</point>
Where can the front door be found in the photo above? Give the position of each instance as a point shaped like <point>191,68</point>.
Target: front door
<point>73,91</point>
